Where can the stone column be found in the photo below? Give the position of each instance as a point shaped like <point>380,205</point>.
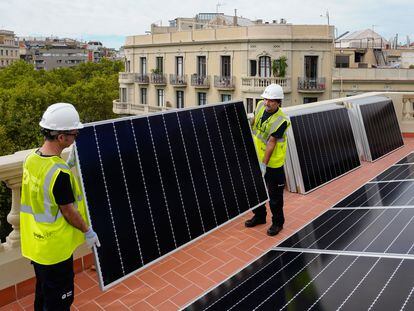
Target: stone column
<point>13,218</point>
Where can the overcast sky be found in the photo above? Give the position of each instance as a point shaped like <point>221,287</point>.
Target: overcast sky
<point>110,21</point>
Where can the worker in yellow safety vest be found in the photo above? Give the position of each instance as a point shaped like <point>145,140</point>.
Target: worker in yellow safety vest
<point>269,134</point>
<point>53,222</point>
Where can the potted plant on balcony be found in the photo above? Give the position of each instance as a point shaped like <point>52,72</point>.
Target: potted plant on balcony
<point>279,67</point>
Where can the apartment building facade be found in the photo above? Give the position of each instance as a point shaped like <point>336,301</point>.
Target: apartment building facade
<point>199,66</point>
<point>9,48</point>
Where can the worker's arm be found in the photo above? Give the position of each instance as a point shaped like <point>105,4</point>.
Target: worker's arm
<point>73,217</point>
<point>270,146</point>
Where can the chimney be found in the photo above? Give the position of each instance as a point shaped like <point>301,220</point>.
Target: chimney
<point>235,18</point>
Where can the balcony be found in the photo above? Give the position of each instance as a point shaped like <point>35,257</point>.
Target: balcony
<point>200,82</point>
<point>308,85</point>
<point>142,79</point>
<point>178,80</point>
<point>136,109</point>
<point>158,79</point>
<point>257,84</point>
<point>224,82</point>
<point>126,77</point>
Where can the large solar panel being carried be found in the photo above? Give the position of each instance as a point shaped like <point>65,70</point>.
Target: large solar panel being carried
<point>375,126</point>
<point>154,183</point>
<point>321,146</point>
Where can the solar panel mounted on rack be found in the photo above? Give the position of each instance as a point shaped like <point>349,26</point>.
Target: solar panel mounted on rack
<point>375,126</point>
<point>154,183</point>
<point>321,146</point>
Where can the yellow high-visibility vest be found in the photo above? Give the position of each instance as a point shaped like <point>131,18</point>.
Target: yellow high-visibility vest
<point>46,237</point>
<point>263,130</point>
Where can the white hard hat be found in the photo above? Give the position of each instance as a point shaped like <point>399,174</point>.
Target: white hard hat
<point>273,91</point>
<point>61,117</point>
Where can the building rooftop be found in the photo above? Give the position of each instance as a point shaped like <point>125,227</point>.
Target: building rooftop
<point>188,273</point>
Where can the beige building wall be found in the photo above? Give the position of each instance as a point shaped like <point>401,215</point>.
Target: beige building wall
<point>9,48</point>
<point>241,44</point>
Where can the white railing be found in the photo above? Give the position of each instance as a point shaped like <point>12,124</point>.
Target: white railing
<point>257,84</point>
<point>129,108</point>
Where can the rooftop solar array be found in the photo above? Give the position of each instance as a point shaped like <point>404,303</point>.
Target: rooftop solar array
<point>375,126</point>
<point>321,147</point>
<point>356,256</point>
<point>155,183</point>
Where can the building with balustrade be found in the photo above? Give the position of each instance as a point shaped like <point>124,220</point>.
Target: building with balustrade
<point>9,48</point>
<point>194,66</point>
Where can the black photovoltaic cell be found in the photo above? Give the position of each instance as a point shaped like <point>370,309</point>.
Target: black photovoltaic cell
<point>358,230</point>
<point>408,159</point>
<point>325,146</point>
<point>393,193</point>
<point>155,183</point>
<point>304,281</point>
<point>396,172</point>
<point>381,127</point>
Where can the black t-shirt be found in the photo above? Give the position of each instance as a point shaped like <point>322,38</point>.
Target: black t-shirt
<point>62,189</point>
<point>281,130</point>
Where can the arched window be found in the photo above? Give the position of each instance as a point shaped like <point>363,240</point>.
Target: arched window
<point>264,66</point>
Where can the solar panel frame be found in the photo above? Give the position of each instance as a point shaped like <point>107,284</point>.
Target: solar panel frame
<point>241,141</point>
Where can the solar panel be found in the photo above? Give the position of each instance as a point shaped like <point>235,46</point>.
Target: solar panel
<point>408,159</point>
<point>321,147</point>
<point>396,172</point>
<point>377,130</point>
<point>310,281</point>
<point>392,193</point>
<point>155,183</point>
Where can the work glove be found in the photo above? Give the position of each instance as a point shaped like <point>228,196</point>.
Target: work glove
<point>71,161</point>
<point>92,238</point>
<point>263,168</point>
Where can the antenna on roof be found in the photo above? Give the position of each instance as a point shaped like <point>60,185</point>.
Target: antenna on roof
<point>218,5</point>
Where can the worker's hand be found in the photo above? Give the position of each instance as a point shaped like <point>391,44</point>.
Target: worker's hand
<point>92,238</point>
<point>71,161</point>
<point>263,168</point>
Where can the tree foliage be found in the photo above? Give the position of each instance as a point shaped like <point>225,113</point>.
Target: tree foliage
<point>25,93</point>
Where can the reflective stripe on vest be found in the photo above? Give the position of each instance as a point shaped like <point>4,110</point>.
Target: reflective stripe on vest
<point>47,215</point>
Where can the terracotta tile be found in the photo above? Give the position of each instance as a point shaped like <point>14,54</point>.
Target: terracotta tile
<point>220,254</point>
<point>152,280</point>
<point>133,283</point>
<point>165,267</point>
<point>167,306</point>
<point>25,288</point>
<point>27,301</point>
<point>181,256</point>
<point>240,254</point>
<point>187,266</point>
<point>113,294</point>
<point>116,306</point>
<point>161,295</point>
<point>84,281</point>
<point>88,261</point>
<point>199,254</point>
<point>78,265</point>
<point>14,306</point>
<point>90,306</point>
<point>142,306</point>
<point>137,295</point>
<point>7,295</point>
<point>176,280</point>
<point>186,295</point>
<point>231,267</point>
<point>217,276</point>
<point>210,266</point>
<point>200,279</point>
<point>88,295</point>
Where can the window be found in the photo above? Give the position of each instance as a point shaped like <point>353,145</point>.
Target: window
<point>202,98</point>
<point>128,66</point>
<point>264,66</point>
<point>342,61</point>
<point>308,100</point>
<point>249,105</point>
<point>253,67</point>
<point>123,95</point>
<point>159,64</point>
<point>143,65</point>
<point>311,67</point>
<point>144,96</point>
<point>7,52</point>
<point>1,52</point>
<point>180,99</point>
<point>201,66</point>
<point>225,66</point>
<point>160,97</point>
<point>179,66</point>
<point>225,97</point>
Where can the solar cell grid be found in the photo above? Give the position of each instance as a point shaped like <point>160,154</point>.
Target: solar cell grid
<point>155,183</point>
<point>396,172</point>
<point>407,160</point>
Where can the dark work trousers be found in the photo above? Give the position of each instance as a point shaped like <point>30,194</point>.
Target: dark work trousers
<point>54,286</point>
<point>275,182</point>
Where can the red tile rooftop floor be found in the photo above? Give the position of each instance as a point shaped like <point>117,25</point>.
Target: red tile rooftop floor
<point>186,274</point>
